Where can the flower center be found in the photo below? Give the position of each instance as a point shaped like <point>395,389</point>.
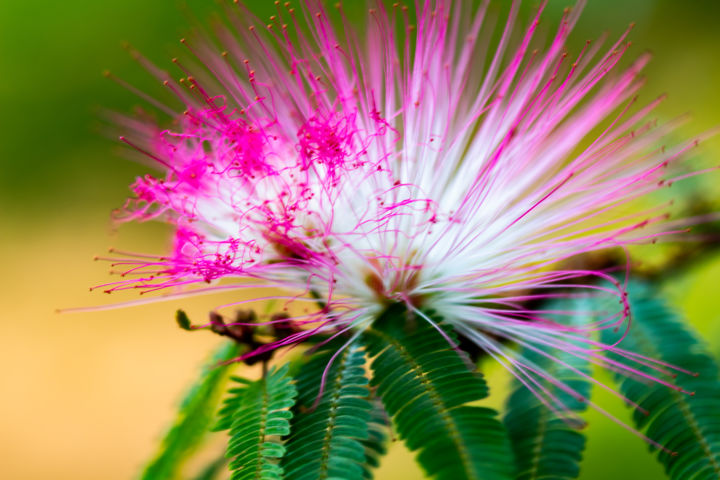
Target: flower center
<point>395,284</point>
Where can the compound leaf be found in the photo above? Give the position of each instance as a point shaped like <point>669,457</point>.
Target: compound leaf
<point>376,443</point>
<point>194,417</point>
<point>328,432</point>
<point>687,425</point>
<point>260,418</point>
<point>547,442</point>
<point>425,386</point>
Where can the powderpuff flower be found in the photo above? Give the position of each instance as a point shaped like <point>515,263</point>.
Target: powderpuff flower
<point>422,161</point>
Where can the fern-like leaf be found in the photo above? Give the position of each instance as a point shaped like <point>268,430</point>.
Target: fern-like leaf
<point>231,403</point>
<point>260,419</point>
<point>548,445</point>
<point>687,425</point>
<point>212,470</point>
<point>425,385</point>
<point>194,417</point>
<point>327,438</point>
<point>376,443</point>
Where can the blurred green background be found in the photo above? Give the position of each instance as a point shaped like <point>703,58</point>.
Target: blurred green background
<point>86,396</point>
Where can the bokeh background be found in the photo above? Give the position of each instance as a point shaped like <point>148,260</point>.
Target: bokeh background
<point>86,396</point>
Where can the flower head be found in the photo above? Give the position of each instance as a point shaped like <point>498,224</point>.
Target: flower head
<point>418,161</point>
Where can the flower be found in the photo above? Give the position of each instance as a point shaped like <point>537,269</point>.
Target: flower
<point>406,163</point>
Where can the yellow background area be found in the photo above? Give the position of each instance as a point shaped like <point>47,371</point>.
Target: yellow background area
<point>86,396</point>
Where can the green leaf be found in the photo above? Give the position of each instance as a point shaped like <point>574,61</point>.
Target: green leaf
<point>327,438</point>
<point>425,385</point>
<point>194,417</point>
<point>260,417</point>
<point>231,403</point>
<point>688,426</point>
<point>548,445</point>
<point>212,470</point>
<point>376,443</point>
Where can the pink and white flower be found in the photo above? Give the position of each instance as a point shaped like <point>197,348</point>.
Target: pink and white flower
<point>416,161</point>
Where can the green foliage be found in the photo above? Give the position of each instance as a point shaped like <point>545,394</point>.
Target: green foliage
<point>327,437</point>
<point>212,470</point>
<point>260,414</point>
<point>688,426</point>
<point>545,444</point>
<point>194,417</point>
<point>425,385</point>
<point>231,403</point>
<point>375,444</point>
